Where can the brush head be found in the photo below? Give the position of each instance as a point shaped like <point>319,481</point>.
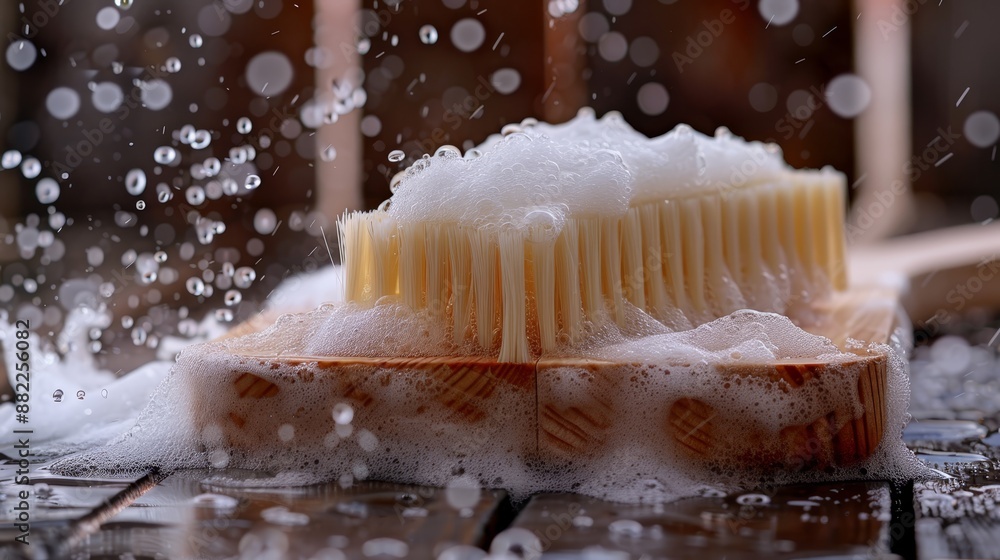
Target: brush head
<point>551,232</point>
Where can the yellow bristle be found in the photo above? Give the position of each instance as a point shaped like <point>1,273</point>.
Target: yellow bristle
<point>460,258</point>
<point>412,265</point>
<point>483,250</point>
<point>567,288</point>
<point>611,262</point>
<point>703,254</point>
<point>513,333</point>
<point>632,263</point>
<point>353,252</point>
<point>590,267</point>
<point>653,257</point>
<point>436,267</point>
<point>673,251</point>
<point>693,252</point>
<point>543,260</point>
<point>836,191</point>
<point>734,230</point>
<point>750,237</point>
<point>385,255</point>
<point>715,268</point>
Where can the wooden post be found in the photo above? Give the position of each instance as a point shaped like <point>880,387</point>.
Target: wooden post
<point>338,181</point>
<point>882,131</point>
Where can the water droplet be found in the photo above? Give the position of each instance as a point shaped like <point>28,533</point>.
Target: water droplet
<point>244,277</point>
<point>212,166</point>
<point>173,65</point>
<point>753,500</point>
<point>164,155</point>
<point>202,138</point>
<point>244,125</point>
<point>396,156</point>
<point>447,151</point>
<point>195,195</point>
<point>195,286</point>
<point>11,159</point>
<point>195,41</point>
<point>135,181</point>
<point>626,527</point>
<point>252,182</point>
<point>343,414</point>
<point>47,190</point>
<point>233,297</point>
<point>428,35</point>
<point>30,168</point>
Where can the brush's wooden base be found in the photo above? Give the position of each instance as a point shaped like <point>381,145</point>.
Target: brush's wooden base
<point>570,406</point>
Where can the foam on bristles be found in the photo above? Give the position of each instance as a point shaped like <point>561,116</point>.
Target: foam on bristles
<point>524,181</point>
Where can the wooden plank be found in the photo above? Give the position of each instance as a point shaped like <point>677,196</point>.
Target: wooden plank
<point>785,522</point>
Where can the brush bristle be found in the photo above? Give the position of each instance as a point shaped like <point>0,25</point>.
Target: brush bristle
<point>767,247</point>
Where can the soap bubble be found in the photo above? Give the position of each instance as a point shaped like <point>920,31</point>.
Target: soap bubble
<point>644,51</point>
<point>982,129</point>
<point>428,35</point>
<point>593,26</point>
<point>244,125</point>
<point>848,95</point>
<point>195,41</point>
<point>62,103</point>
<point>778,12</point>
<point>21,54</point>
<point>172,65</point>
<point>233,297</point>
<point>123,4</point>
<point>269,73</point>
<point>252,182</point>
<point>329,154</point>
<point>468,34</point>
<point>396,156</point>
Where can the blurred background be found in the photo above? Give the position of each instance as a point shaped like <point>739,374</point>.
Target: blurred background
<point>167,161</point>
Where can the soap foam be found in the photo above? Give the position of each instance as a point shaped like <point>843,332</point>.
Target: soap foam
<point>498,190</point>
<point>409,424</point>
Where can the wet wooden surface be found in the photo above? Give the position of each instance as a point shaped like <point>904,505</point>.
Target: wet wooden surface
<point>202,515</point>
